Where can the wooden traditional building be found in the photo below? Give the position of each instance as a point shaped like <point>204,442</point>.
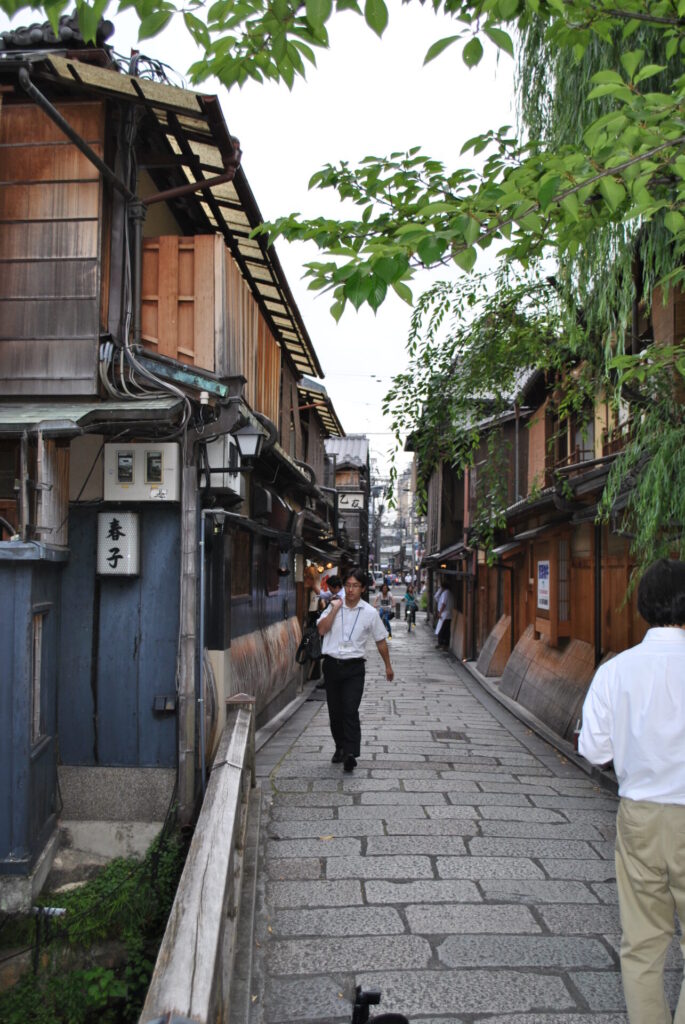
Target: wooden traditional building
<point>148,568</point>
<point>552,605</point>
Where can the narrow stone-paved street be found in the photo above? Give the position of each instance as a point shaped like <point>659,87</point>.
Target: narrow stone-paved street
<point>465,868</point>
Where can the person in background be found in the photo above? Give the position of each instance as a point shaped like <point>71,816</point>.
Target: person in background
<point>334,587</point>
<point>410,607</point>
<point>383,605</point>
<point>445,605</point>
<point>634,715</point>
<point>345,626</point>
<point>313,586</point>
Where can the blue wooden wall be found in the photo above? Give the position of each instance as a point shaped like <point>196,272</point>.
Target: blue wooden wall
<point>118,645</point>
<point>28,773</point>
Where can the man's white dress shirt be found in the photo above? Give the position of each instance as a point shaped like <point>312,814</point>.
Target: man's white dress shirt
<point>634,713</point>
<point>351,629</point>
<point>445,606</point>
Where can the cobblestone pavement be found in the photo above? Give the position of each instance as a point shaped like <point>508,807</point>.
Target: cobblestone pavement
<point>465,868</point>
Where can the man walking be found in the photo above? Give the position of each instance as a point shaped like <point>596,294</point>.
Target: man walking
<point>345,626</point>
<point>634,713</point>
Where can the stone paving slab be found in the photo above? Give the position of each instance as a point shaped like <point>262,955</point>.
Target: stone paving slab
<point>318,827</point>
<point>528,951</point>
<point>467,992</point>
<point>376,953</point>
<point>315,894</point>
<point>402,893</point>
<point>344,921</point>
<point>465,867</point>
<point>431,919</point>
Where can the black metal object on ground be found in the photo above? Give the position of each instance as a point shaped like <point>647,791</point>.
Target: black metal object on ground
<point>372,997</point>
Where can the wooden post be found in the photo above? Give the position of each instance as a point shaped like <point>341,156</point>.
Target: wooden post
<point>187,747</point>
<point>245,700</point>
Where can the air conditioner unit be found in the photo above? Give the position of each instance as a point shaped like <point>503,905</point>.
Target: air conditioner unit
<point>223,454</point>
<point>142,471</point>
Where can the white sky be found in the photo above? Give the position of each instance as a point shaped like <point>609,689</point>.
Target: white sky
<point>367,96</point>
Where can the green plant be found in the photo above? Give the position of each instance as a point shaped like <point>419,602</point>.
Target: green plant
<point>128,901</point>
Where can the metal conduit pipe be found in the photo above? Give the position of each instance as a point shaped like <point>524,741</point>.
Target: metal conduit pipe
<point>44,103</point>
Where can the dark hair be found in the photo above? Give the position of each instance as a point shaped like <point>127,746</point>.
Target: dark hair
<point>334,581</point>
<point>356,574</point>
<point>661,593</point>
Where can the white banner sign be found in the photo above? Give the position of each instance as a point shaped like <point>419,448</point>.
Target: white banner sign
<point>543,585</point>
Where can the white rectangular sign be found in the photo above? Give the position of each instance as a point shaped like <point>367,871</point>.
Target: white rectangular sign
<point>350,501</point>
<point>118,545</point>
<point>543,585</point>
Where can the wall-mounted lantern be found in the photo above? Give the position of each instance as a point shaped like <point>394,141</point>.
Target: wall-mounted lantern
<point>249,440</point>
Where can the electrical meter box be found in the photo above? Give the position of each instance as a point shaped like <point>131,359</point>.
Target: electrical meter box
<point>142,471</point>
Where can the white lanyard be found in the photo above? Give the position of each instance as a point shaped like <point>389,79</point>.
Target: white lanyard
<point>342,625</point>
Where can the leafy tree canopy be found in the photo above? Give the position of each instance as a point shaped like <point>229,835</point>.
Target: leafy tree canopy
<point>625,165</point>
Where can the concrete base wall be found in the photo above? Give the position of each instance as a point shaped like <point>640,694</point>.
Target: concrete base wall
<point>115,794</point>
<point>496,649</point>
<point>106,839</point>
<point>551,682</point>
<point>18,892</point>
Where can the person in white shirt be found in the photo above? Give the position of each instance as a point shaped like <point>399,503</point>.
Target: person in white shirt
<point>445,605</point>
<point>634,714</point>
<point>345,626</point>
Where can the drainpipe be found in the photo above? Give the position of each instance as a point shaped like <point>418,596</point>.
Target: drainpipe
<point>137,211</point>
<point>516,453</point>
<point>598,594</point>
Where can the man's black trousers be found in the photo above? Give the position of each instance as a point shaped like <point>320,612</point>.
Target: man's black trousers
<point>344,689</point>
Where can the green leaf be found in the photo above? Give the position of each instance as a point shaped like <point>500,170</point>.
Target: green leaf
<point>437,48</point>
<point>466,259</point>
<point>610,89</point>
<point>602,77</point>
<point>613,192</point>
<point>500,38</point>
<point>337,309</point>
<point>674,221</point>
<point>432,208</point>
<point>431,249</point>
<point>404,292</point>
<point>318,12</point>
<point>472,52</point>
<point>153,24</point>
<point>376,15</point>
<point>357,288</point>
<point>547,190</point>
<point>197,29</point>
<point>631,60</point>
<point>377,293</point>
<point>648,71</point>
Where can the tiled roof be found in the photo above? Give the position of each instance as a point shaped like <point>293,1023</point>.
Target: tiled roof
<point>352,450</point>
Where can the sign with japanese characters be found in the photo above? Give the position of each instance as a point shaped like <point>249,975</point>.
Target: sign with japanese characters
<point>118,544</point>
<point>543,585</point>
<point>350,501</point>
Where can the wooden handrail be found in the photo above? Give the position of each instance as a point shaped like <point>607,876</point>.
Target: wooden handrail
<point>197,950</point>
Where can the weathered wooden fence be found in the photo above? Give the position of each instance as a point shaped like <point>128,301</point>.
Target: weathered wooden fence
<point>192,976</point>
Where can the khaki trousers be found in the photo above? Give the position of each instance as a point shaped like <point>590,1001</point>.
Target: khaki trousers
<point>650,874</point>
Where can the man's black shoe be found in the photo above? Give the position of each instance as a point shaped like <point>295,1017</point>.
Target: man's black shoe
<point>350,763</point>
<point>338,756</point>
